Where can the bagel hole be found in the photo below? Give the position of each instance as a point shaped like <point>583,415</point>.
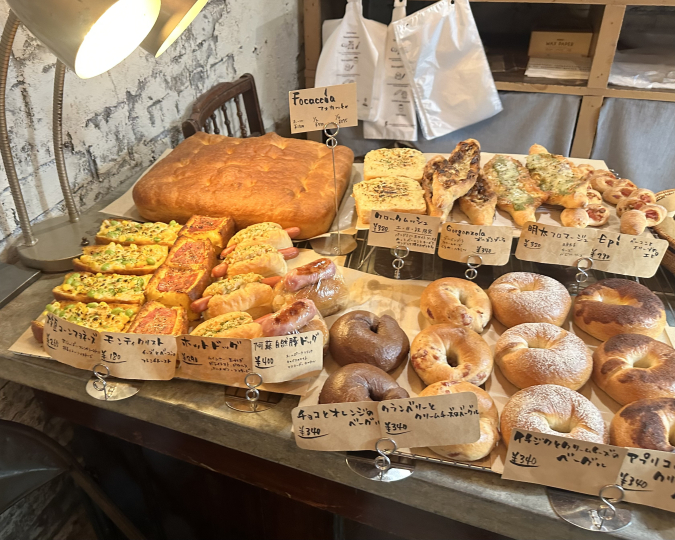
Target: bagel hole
<point>452,359</point>
<point>560,426</point>
<point>671,435</point>
<point>529,287</point>
<point>643,362</point>
<point>616,300</point>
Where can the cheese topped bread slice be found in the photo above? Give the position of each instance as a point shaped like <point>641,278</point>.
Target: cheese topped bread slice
<point>394,162</point>
<point>217,230</point>
<point>395,194</point>
<point>563,183</point>
<point>158,319</point>
<point>117,259</point>
<point>109,288</point>
<point>191,253</point>
<point>125,232</point>
<point>178,287</point>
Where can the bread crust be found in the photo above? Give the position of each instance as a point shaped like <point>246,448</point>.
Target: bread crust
<point>142,236</point>
<point>644,424</point>
<point>253,298</point>
<point>480,203</point>
<point>217,230</point>
<point>178,287</point>
<point>274,236</point>
<point>267,178</point>
<point>156,318</point>
<point>558,177</point>
<point>457,302</point>
<point>389,194</point>
<point>267,265</point>
<point>598,215</point>
<point>574,217</point>
<point>387,162</point>
<point>633,222</point>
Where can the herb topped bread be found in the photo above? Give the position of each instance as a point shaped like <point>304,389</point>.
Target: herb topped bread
<point>395,194</point>
<point>125,232</point>
<point>394,162</point>
<point>230,325</point>
<point>110,288</point>
<point>558,177</point>
<point>116,259</point>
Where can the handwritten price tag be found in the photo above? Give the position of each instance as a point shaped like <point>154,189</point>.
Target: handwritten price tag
<point>648,477</point>
<point>71,344</point>
<point>139,356</point>
<point>284,358</point>
<point>638,256</point>
<point>311,109</point>
<point>220,360</point>
<point>390,229</point>
<point>460,241</point>
<point>561,462</point>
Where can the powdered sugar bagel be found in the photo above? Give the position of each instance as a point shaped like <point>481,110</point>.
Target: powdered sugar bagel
<point>523,297</point>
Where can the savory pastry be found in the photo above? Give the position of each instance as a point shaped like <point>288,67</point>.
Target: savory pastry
<point>457,302</point>
<point>633,222</point>
<point>115,259</point>
<point>217,230</point>
<point>451,178</point>
<point>263,233</point>
<point>229,325</point>
<point>647,423</point>
<point>598,215</point>
<point>479,203</point>
<point>594,197</point>
<point>318,281</point>
<point>632,366</point>
<point>574,217</point>
<point>540,353</point>
<point>654,213</point>
<point>245,292</point>
<point>110,288</point>
<point>445,353</point>
<point>95,315</point>
<point>260,259</point>
<point>125,232</point>
<point>394,162</point>
<point>158,319</point>
<point>603,180</point>
<point>393,194</point>
<point>645,195</point>
<point>619,306</point>
<point>360,382</point>
<point>558,177</point>
<point>488,418</point>
<point>517,193</point>
<point>191,253</point>
<point>363,337</point>
<point>586,169</point>
<point>178,287</point>
<point>523,297</point>
<point>629,203</point>
<point>616,194</point>
<point>553,410</point>
<point>297,317</point>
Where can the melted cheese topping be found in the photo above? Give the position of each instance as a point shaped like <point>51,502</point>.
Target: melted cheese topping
<point>555,175</point>
<point>229,285</point>
<point>97,316</point>
<point>97,286</point>
<point>254,232</point>
<point>113,257</point>
<point>214,327</point>
<point>508,183</point>
<point>131,231</point>
<point>243,253</point>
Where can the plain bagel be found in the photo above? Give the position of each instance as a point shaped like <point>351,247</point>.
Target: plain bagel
<point>360,382</point>
<point>489,422</point>
<point>647,423</point>
<point>458,302</point>
<point>445,353</point>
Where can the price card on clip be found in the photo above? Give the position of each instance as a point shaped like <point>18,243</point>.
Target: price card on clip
<point>391,229</point>
<point>460,242</point>
<point>139,356</point>
<point>312,108</point>
<point>71,344</point>
<point>561,462</point>
<point>648,477</point>
<point>284,358</point>
<point>220,360</point>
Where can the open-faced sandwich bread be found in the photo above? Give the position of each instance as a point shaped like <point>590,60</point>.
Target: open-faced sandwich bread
<point>158,319</point>
<point>558,177</point>
<point>217,230</point>
<point>110,288</point>
<point>391,194</point>
<point>394,162</point>
<point>178,287</point>
<point>116,259</point>
<point>125,232</point>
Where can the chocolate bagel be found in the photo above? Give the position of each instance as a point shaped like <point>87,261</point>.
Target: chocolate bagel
<point>361,337</point>
<point>360,382</point>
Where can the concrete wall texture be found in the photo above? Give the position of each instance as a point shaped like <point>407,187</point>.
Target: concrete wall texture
<point>116,124</point>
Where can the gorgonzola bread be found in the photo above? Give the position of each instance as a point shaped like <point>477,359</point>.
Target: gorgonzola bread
<point>125,232</point>
<point>109,288</point>
<point>156,318</point>
<point>563,183</point>
<point>392,194</point>
<point>394,162</point>
<point>479,203</point>
<point>117,259</point>
<point>217,230</point>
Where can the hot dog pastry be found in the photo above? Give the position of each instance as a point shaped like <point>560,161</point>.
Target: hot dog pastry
<point>265,233</point>
<point>295,318</point>
<point>260,259</point>
<point>250,293</point>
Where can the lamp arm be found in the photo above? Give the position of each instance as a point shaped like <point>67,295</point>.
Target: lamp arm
<point>6,43</point>
<point>57,133</point>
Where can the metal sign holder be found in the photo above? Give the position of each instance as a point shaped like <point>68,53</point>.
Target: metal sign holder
<point>582,275</point>
<point>100,388</point>
<point>584,512</point>
<point>251,403</point>
<point>383,468</point>
<point>471,272</point>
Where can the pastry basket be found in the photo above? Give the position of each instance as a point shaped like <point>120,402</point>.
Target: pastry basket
<point>666,230</point>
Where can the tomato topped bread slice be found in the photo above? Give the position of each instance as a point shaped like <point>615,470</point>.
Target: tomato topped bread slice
<point>517,193</point>
<point>116,259</point>
<point>125,232</point>
<point>191,253</point>
<point>178,287</point>
<point>558,177</point>
<point>156,318</point>
<point>95,315</point>
<point>109,288</point>
<point>217,230</point>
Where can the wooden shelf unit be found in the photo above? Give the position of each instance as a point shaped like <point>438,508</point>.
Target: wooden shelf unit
<point>606,18</point>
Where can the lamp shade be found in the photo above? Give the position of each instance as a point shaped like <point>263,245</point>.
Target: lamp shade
<point>89,36</point>
<point>174,17</point>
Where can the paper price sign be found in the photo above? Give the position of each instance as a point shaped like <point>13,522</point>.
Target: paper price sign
<point>284,358</point>
<point>648,477</point>
<point>460,242</point>
<point>71,344</point>
<point>311,109</point>
<point>139,356</point>
<point>391,229</point>
<point>562,462</point>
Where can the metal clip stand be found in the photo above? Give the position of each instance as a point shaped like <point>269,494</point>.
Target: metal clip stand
<point>99,388</point>
<point>336,243</point>
<point>582,275</point>
<point>584,512</point>
<point>400,252</point>
<point>251,403</point>
<point>383,468</point>
<point>471,273</point>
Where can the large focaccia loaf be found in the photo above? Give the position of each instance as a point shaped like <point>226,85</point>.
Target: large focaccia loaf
<point>268,178</point>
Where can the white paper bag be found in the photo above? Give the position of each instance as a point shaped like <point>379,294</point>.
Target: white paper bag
<point>396,118</point>
<point>445,60</point>
<point>350,55</point>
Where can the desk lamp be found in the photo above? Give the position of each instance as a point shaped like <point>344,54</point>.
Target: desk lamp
<point>89,37</point>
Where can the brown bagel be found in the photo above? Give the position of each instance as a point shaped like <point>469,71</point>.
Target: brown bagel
<point>360,382</point>
<point>363,337</point>
<point>458,302</point>
<point>619,306</point>
<point>647,423</point>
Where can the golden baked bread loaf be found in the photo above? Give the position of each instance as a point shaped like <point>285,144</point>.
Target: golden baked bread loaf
<point>488,417</point>
<point>630,367</point>
<point>647,423</point>
<point>574,217</point>
<point>268,178</point>
<point>457,302</point>
<point>633,222</point>
<point>243,292</point>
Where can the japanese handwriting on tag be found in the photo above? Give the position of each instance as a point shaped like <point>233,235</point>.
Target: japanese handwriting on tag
<point>284,358</point>
<point>648,477</point>
<point>139,356</point>
<point>391,229</point>
<point>311,109</point>
<point>221,360</point>
<point>71,344</point>
<point>459,242</point>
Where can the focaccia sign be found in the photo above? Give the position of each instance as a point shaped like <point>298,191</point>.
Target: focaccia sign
<point>313,108</point>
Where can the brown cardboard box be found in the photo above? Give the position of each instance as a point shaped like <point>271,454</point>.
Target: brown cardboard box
<point>560,43</point>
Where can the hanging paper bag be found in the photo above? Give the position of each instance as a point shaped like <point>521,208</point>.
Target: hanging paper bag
<point>445,60</point>
<point>350,55</point>
<point>395,117</point>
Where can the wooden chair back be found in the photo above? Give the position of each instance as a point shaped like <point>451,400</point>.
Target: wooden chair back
<point>212,114</point>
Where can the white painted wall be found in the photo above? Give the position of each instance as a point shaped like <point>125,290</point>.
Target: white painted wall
<point>119,122</point>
